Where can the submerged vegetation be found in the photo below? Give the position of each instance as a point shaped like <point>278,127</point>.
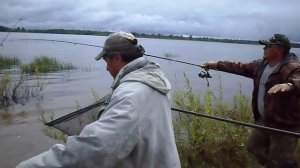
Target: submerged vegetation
<point>45,64</point>
<point>17,87</point>
<point>16,91</point>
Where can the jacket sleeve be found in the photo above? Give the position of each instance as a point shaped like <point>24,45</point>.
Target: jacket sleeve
<point>294,78</point>
<point>243,69</point>
<point>100,144</point>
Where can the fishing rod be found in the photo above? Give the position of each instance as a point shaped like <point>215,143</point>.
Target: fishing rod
<point>1,44</point>
<point>203,74</point>
<point>246,124</point>
<point>179,61</point>
<point>98,46</point>
<point>62,41</point>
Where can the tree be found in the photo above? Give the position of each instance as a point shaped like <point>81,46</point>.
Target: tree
<point>3,29</point>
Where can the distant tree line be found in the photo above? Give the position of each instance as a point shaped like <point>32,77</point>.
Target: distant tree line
<point>190,37</point>
<point>7,29</point>
<point>71,31</point>
<point>142,35</point>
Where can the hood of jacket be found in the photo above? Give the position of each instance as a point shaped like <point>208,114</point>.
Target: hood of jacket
<point>144,71</point>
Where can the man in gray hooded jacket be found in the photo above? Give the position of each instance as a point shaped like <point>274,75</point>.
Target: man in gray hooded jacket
<point>135,130</point>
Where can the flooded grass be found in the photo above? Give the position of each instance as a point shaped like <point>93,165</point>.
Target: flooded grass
<point>7,61</point>
<point>44,64</point>
<point>18,91</point>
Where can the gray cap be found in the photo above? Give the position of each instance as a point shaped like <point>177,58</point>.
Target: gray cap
<point>277,39</point>
<point>119,41</point>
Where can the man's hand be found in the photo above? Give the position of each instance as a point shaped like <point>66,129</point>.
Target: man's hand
<point>281,88</point>
<point>210,65</point>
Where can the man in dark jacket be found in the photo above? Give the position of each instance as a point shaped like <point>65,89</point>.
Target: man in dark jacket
<point>275,100</point>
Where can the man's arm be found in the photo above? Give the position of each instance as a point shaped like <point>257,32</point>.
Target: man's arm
<point>239,68</point>
<point>293,81</point>
<point>100,144</point>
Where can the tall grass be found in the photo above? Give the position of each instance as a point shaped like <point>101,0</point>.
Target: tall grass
<point>45,64</point>
<point>207,143</point>
<point>6,61</point>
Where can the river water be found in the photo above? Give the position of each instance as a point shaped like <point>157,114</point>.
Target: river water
<point>65,91</point>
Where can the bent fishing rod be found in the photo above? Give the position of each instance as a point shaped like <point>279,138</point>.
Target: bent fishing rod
<point>198,114</point>
<point>98,46</point>
<point>204,74</point>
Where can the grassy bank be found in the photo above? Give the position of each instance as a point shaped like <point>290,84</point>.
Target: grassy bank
<point>207,143</point>
<point>45,64</point>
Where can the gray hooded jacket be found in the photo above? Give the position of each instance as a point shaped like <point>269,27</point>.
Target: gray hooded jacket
<point>135,131</point>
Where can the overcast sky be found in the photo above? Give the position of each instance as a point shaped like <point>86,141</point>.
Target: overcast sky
<point>247,19</point>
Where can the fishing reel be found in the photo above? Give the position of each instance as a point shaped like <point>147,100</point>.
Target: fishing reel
<point>205,75</point>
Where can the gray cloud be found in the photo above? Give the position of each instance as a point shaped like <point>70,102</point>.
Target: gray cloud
<point>254,19</point>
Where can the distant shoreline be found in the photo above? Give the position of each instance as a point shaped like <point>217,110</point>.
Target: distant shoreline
<point>141,35</point>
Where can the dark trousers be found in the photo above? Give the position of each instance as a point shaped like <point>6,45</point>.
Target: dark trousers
<point>273,150</point>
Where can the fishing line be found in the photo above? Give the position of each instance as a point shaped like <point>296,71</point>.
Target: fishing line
<point>10,31</point>
<point>203,74</point>
<point>98,46</point>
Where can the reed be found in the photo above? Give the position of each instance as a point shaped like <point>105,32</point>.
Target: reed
<point>7,61</point>
<point>44,64</point>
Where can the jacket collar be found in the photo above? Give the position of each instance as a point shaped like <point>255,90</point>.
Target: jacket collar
<point>289,58</point>
<point>131,66</point>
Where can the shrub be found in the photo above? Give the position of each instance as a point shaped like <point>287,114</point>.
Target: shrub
<point>207,143</point>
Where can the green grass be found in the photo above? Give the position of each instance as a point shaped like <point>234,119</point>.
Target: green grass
<point>7,61</point>
<point>206,143</point>
<point>44,64</point>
